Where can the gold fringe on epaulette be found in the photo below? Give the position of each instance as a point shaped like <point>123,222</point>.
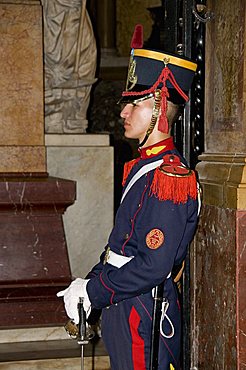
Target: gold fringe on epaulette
<point>175,188</point>
<point>127,169</point>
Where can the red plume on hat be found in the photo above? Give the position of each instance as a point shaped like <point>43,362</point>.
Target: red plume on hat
<point>137,37</point>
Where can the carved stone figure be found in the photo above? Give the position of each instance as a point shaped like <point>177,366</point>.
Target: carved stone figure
<point>70,57</point>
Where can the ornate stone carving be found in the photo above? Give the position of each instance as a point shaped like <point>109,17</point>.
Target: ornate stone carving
<point>70,63</point>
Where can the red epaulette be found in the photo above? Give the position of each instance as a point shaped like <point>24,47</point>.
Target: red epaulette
<point>127,169</point>
<point>173,181</point>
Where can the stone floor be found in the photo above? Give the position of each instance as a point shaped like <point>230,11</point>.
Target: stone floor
<point>55,354</point>
<point>95,363</point>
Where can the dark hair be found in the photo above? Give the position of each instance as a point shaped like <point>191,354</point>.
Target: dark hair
<point>173,112</point>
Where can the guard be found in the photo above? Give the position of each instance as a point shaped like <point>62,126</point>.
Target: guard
<point>154,224</point>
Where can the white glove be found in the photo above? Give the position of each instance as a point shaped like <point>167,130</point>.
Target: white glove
<point>71,297</point>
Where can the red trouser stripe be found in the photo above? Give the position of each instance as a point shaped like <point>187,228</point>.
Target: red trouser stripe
<point>137,342</point>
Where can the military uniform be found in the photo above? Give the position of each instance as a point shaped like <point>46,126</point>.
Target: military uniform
<point>154,224</point>
<point>154,235</point>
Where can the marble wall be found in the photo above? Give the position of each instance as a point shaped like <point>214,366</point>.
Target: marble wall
<point>21,88</point>
<point>241,289</point>
<point>218,264</point>
<point>214,287</point>
<point>22,159</point>
<point>87,159</point>
<point>225,77</point>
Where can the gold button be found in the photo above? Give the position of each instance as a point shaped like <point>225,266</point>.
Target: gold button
<point>126,236</point>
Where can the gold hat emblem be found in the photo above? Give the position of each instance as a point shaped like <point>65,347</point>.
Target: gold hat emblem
<point>131,76</point>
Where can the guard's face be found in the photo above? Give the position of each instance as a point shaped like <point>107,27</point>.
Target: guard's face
<point>137,117</point>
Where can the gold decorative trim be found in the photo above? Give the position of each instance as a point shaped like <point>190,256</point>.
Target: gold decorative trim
<point>161,56</point>
<point>131,76</point>
<point>155,150</point>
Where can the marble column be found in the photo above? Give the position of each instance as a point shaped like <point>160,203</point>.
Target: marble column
<point>218,261</point>
<point>33,253</point>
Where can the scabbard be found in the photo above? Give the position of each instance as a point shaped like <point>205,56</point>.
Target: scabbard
<point>155,332</point>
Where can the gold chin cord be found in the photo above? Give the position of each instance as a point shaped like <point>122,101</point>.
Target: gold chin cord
<point>155,114</point>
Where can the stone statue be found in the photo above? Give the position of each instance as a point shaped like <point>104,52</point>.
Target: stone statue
<point>70,57</point>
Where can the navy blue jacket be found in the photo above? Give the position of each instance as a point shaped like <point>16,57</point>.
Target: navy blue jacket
<point>139,214</point>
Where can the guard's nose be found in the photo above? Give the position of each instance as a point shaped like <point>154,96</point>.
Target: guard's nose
<point>126,111</point>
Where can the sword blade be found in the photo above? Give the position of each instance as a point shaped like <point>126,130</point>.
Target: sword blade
<point>82,330</point>
<point>82,357</point>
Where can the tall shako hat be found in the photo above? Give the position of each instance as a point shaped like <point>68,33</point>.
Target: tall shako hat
<point>155,73</point>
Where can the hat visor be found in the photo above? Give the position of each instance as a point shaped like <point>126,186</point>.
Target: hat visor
<point>174,96</point>
<point>130,98</point>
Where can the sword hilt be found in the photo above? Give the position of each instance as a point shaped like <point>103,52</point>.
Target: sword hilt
<point>82,323</point>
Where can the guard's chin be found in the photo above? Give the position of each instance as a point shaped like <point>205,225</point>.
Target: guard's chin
<point>127,135</point>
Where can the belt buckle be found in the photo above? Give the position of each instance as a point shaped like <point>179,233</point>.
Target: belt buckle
<point>106,257</point>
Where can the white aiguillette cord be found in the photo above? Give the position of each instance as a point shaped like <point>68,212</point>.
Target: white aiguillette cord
<point>146,168</point>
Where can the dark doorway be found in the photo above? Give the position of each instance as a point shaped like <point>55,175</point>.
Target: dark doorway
<point>184,34</point>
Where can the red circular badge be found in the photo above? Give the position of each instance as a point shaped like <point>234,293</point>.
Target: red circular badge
<point>154,238</point>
